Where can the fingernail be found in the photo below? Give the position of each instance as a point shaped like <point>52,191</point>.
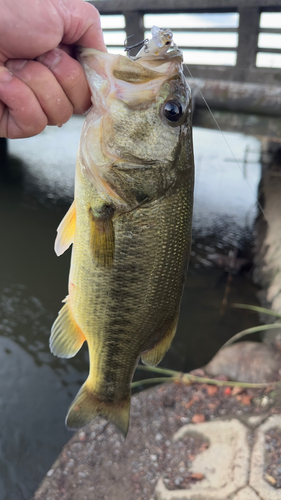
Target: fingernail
<point>51,58</point>
<point>5,75</point>
<point>15,65</point>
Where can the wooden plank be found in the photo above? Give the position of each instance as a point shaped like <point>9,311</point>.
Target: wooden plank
<point>195,30</point>
<point>109,30</point>
<point>260,126</point>
<point>270,76</point>
<point>270,51</point>
<point>274,31</point>
<point>206,47</point>
<point>118,6</point>
<point>237,97</point>
<point>209,72</point>
<point>204,30</point>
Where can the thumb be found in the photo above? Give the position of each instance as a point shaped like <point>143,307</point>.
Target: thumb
<point>81,24</point>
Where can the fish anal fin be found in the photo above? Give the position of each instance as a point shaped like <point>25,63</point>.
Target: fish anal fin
<point>66,231</point>
<point>86,406</point>
<point>102,237</point>
<point>153,356</point>
<point>66,337</point>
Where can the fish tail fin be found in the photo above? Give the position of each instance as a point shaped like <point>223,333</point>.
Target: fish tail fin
<point>86,406</point>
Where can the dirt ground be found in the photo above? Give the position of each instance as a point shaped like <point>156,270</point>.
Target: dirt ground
<point>98,463</point>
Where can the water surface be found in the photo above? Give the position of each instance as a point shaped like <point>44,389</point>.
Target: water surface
<point>35,387</point>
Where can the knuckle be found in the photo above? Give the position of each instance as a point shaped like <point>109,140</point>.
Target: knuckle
<point>82,108</point>
<point>74,78</point>
<point>76,75</point>
<point>27,71</point>
<point>67,115</point>
<point>29,130</point>
<point>60,116</point>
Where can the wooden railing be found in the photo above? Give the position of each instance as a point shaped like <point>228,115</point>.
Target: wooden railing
<point>245,69</point>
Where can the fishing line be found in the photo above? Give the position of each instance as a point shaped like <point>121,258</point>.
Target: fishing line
<point>226,141</point>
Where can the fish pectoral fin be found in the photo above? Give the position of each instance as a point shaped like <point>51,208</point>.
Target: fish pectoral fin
<point>66,231</point>
<point>102,238</point>
<point>86,406</point>
<point>66,337</point>
<point>153,356</point>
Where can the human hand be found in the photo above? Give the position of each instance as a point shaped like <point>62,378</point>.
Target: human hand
<point>40,83</point>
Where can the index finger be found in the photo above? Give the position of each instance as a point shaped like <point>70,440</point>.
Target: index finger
<point>20,112</point>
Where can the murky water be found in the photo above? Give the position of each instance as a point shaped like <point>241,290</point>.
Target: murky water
<point>35,387</point>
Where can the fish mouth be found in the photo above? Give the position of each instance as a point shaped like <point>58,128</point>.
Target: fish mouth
<point>158,59</point>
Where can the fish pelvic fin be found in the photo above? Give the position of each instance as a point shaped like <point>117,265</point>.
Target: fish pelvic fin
<point>66,337</point>
<point>86,406</point>
<point>153,356</point>
<point>66,231</point>
<point>102,238</point>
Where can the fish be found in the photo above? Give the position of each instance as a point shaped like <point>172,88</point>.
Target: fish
<point>129,224</point>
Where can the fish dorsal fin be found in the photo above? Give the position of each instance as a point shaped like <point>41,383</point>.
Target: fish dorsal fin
<point>102,237</point>
<point>66,231</point>
<point>66,337</point>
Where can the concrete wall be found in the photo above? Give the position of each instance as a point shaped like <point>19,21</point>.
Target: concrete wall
<point>267,273</point>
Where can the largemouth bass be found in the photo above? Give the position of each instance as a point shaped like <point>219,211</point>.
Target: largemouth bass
<point>130,224</point>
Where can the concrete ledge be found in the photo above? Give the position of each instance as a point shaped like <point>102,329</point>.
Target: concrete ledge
<point>159,452</point>
<point>246,494</point>
<point>225,464</point>
<point>265,491</point>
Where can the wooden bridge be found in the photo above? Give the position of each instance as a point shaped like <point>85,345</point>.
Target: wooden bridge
<point>243,96</point>
<point>249,90</point>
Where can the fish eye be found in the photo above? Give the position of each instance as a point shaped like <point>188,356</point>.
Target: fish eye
<point>173,111</point>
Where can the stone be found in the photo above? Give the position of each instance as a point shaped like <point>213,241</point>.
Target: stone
<point>257,481</point>
<point>254,420</point>
<point>224,464</point>
<point>246,362</point>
